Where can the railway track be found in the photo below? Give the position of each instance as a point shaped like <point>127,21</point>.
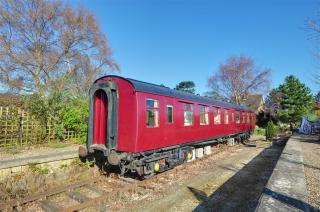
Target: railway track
<point>97,199</point>
<point>71,191</point>
<point>104,191</point>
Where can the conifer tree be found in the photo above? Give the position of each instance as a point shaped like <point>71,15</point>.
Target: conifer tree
<point>296,100</point>
<point>186,86</point>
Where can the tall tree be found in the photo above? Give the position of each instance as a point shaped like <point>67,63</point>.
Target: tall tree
<point>313,29</point>
<point>46,44</point>
<point>273,102</point>
<point>215,95</point>
<point>296,100</point>
<point>186,86</point>
<point>238,77</point>
<point>317,97</point>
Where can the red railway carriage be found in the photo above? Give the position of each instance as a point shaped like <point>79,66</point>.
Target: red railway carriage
<point>147,128</point>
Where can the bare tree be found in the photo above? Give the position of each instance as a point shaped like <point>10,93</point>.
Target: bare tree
<point>238,77</point>
<point>215,95</point>
<point>45,44</point>
<point>273,102</point>
<point>313,29</point>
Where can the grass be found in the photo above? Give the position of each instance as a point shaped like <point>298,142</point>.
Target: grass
<point>38,169</point>
<point>63,166</point>
<point>77,189</point>
<point>53,143</point>
<point>57,145</point>
<point>87,164</point>
<point>12,151</point>
<point>260,131</point>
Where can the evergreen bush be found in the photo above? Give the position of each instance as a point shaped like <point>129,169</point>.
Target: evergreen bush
<point>271,131</point>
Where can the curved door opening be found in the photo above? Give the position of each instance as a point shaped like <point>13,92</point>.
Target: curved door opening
<point>100,117</point>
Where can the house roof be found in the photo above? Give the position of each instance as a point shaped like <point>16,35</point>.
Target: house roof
<point>7,99</point>
<point>254,101</point>
<point>312,118</point>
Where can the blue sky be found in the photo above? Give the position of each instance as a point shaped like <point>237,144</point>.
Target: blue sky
<point>162,41</point>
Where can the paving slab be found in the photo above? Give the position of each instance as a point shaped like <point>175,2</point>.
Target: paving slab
<point>286,188</point>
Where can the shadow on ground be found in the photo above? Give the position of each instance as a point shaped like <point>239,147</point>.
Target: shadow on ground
<point>289,201</point>
<point>304,164</point>
<point>315,139</point>
<point>242,191</point>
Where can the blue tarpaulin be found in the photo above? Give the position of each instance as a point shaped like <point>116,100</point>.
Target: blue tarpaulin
<point>310,124</point>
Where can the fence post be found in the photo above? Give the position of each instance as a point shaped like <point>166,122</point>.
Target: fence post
<point>6,127</point>
<point>11,132</point>
<point>31,132</point>
<point>27,128</point>
<point>49,128</point>
<point>21,128</point>
<point>14,136</point>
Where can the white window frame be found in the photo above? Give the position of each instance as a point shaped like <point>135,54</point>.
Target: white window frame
<point>217,115</point>
<point>170,106</point>
<point>155,110</point>
<point>206,113</point>
<point>243,114</point>
<point>187,113</point>
<point>226,116</point>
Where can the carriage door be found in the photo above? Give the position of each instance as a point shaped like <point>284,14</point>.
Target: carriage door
<point>100,117</point>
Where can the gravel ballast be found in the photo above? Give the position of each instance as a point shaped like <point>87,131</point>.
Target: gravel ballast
<point>311,159</point>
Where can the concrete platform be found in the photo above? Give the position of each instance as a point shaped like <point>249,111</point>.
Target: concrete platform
<point>51,160</point>
<point>286,188</point>
<point>40,158</point>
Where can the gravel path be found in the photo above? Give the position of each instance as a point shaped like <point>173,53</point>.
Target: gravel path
<point>311,158</point>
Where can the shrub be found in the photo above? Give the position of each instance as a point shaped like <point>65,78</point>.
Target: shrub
<point>259,131</point>
<point>75,116</point>
<point>59,132</point>
<point>60,109</point>
<point>37,106</point>
<point>38,169</point>
<point>271,131</point>
<point>282,127</point>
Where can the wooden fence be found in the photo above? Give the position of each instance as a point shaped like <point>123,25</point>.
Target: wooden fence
<point>18,127</point>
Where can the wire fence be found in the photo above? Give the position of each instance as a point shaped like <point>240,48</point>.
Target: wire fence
<point>18,127</point>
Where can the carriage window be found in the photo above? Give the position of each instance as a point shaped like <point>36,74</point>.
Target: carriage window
<point>188,114</point>
<point>248,118</point>
<point>237,117</point>
<point>217,116</point>
<point>152,113</point>
<point>204,114</point>
<point>170,114</point>
<point>226,117</point>
<point>243,117</point>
